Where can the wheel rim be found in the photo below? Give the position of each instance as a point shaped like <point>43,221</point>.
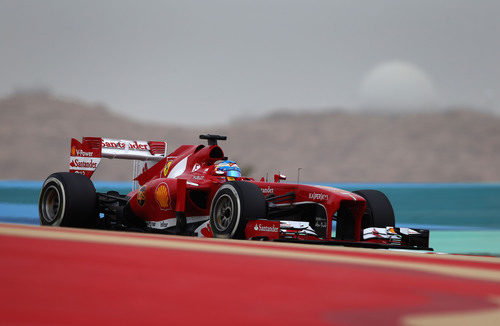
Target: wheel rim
<point>51,204</point>
<point>223,213</point>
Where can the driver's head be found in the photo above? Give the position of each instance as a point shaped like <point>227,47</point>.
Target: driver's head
<point>228,168</point>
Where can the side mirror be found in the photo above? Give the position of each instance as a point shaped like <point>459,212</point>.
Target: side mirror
<point>279,177</point>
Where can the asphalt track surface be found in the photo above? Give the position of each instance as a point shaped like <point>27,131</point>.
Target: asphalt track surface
<point>61,276</point>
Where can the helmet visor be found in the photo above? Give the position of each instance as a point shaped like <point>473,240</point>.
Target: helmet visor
<point>234,173</point>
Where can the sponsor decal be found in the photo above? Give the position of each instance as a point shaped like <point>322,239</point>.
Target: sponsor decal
<point>161,224</point>
<point>198,177</point>
<point>132,145</point>
<point>204,230</point>
<point>164,224</point>
<point>320,223</point>
<point>196,167</point>
<point>83,163</point>
<point>162,196</point>
<point>267,190</point>
<point>112,144</point>
<point>141,196</point>
<point>73,150</point>
<point>265,228</point>
<point>79,152</point>
<point>166,169</point>
<point>318,196</point>
<point>207,232</point>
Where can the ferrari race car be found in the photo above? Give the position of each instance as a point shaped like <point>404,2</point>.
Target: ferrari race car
<point>197,191</point>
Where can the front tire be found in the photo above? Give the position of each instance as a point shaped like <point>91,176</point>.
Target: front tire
<point>68,199</point>
<point>379,211</point>
<point>233,205</point>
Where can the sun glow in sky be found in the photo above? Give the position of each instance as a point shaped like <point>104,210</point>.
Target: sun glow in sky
<point>397,86</point>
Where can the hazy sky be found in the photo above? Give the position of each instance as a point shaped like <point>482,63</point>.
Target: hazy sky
<point>206,61</point>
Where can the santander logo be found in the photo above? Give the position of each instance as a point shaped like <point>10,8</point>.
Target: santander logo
<point>123,145</point>
<point>76,163</point>
<point>265,228</point>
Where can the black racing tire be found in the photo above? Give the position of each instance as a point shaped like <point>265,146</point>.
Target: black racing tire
<point>68,199</point>
<point>233,205</point>
<point>379,211</point>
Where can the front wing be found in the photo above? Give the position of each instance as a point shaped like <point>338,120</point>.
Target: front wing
<point>302,232</point>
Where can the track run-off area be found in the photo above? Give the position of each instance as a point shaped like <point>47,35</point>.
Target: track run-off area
<point>60,276</point>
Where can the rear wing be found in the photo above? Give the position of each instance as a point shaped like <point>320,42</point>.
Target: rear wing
<point>85,156</point>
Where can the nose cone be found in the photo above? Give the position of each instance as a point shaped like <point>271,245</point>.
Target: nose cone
<point>342,194</point>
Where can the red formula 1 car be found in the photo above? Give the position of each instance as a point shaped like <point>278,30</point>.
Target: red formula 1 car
<point>197,191</point>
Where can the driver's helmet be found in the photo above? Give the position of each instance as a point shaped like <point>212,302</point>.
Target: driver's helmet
<point>229,168</point>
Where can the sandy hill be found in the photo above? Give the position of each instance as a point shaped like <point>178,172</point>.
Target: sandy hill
<point>453,146</point>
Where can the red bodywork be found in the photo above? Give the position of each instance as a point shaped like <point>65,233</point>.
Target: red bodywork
<point>185,181</point>
<point>173,194</point>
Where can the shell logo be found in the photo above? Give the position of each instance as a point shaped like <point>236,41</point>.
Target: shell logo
<point>73,151</point>
<point>162,196</point>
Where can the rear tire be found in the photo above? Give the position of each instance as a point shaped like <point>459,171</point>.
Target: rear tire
<point>379,211</point>
<point>233,205</point>
<point>68,199</point>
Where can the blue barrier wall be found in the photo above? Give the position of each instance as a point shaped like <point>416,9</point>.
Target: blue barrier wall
<point>437,206</point>
<point>464,218</point>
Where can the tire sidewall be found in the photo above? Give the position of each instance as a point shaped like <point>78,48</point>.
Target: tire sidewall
<point>54,182</point>
<point>231,230</point>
